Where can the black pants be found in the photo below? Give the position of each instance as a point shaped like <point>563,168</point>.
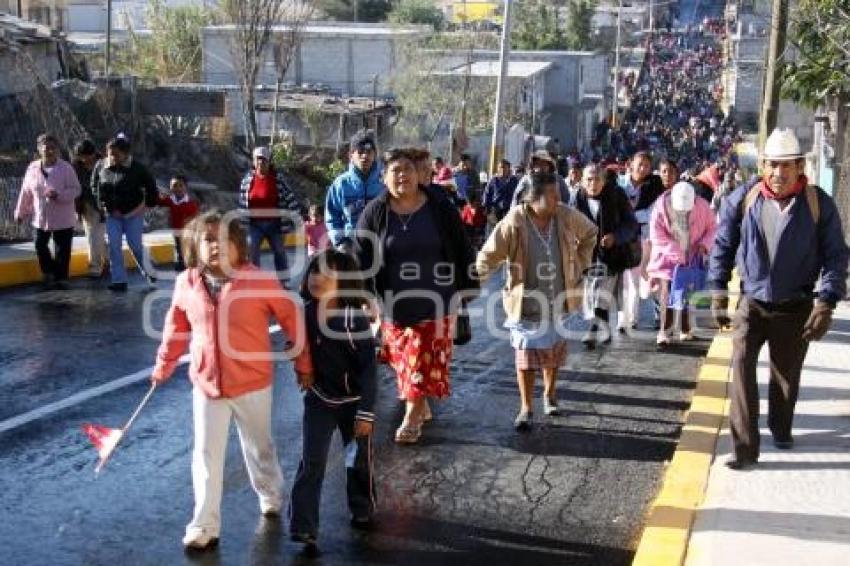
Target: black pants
<point>320,422</point>
<point>55,267</point>
<point>179,264</point>
<point>781,326</point>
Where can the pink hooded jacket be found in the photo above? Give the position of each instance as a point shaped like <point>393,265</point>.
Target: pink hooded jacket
<point>49,214</point>
<point>229,340</point>
<point>666,252</point>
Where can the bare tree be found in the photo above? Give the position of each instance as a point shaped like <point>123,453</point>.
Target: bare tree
<point>255,22</point>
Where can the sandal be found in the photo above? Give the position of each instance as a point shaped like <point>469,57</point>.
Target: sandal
<point>427,416</point>
<point>408,434</point>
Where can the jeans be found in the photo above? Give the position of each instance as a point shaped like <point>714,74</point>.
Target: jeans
<point>54,266</point>
<point>179,263</point>
<point>320,422</point>
<point>271,230</point>
<point>131,227</point>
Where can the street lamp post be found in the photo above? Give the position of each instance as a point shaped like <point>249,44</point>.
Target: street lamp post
<point>498,142</point>
<point>616,101</point>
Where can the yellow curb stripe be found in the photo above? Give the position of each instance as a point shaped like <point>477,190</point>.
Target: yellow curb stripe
<point>665,538</point>
<point>25,270</point>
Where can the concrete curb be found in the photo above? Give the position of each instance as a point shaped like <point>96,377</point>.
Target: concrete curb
<point>25,270</point>
<point>665,538</point>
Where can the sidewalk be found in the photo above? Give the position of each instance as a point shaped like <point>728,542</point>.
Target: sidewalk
<point>794,507</point>
<point>19,264</point>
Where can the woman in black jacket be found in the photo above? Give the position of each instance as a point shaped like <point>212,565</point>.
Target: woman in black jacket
<point>607,206</point>
<point>418,262</point>
<point>123,188</point>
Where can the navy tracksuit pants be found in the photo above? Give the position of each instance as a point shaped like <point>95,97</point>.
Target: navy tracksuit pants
<point>321,420</point>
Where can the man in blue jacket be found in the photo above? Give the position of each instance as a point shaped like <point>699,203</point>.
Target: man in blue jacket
<point>784,235</point>
<point>351,191</point>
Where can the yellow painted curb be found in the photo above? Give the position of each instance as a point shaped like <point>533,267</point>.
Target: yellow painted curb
<point>24,270</point>
<point>665,538</point>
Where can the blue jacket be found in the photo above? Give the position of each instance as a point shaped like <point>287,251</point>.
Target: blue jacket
<point>805,252</point>
<point>499,192</point>
<point>346,199</point>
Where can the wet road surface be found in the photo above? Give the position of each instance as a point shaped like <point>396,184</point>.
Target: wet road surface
<point>573,491</point>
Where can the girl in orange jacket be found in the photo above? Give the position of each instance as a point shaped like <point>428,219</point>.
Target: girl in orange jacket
<point>220,309</point>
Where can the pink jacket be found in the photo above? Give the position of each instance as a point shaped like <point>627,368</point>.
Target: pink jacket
<point>49,214</point>
<point>666,252</point>
<point>229,341</point>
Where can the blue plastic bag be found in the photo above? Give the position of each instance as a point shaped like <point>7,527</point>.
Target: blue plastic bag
<point>687,280</point>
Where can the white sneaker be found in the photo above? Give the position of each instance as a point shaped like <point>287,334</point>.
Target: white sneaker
<point>198,539</point>
<point>686,336</point>
<point>550,407</point>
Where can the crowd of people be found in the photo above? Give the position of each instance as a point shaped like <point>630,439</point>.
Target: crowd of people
<point>403,242</point>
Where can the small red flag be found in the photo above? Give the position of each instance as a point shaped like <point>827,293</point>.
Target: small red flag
<point>104,439</point>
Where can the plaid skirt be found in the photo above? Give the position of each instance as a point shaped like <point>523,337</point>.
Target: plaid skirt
<point>548,358</point>
<point>420,355</point>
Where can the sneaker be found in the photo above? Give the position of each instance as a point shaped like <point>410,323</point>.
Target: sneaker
<point>199,540</point>
<point>522,422</point>
<point>117,287</point>
<point>304,538</point>
<point>151,280</point>
<point>550,407</point>
<point>61,285</point>
<point>589,342</point>
<point>783,444</point>
<point>686,336</point>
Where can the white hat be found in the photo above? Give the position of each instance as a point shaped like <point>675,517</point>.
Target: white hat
<point>263,152</point>
<point>682,197</point>
<point>782,145</point>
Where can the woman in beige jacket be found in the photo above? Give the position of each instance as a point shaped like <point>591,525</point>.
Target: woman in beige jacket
<point>546,246</point>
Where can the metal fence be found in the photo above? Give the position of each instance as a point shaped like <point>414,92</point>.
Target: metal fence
<point>9,229</point>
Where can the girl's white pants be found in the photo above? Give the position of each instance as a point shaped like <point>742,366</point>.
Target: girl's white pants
<point>252,412</point>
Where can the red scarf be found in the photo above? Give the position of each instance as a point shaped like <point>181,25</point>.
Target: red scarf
<point>798,187</point>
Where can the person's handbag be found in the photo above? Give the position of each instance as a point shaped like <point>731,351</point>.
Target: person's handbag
<point>463,328</point>
<point>687,280</point>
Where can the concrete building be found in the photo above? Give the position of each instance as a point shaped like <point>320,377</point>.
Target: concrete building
<point>569,90</point>
<point>745,70</point>
<point>352,59</point>
<point>39,55</point>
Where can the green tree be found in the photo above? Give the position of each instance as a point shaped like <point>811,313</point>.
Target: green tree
<point>417,12</point>
<point>171,52</point>
<point>579,33</point>
<point>821,36</point>
<point>365,10</point>
<point>536,26</point>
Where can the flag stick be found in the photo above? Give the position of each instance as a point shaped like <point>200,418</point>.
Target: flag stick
<point>102,462</point>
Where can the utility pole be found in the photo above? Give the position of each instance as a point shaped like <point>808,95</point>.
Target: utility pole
<point>108,45</point>
<point>497,149</point>
<point>773,76</point>
<point>616,101</point>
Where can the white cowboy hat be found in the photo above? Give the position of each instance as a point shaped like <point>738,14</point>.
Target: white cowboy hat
<point>782,145</point>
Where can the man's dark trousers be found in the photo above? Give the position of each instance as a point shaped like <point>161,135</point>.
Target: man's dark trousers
<point>781,326</point>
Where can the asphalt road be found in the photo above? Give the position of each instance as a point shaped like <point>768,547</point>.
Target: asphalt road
<point>574,491</point>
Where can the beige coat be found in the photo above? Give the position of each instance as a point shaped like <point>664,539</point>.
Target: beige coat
<point>509,243</point>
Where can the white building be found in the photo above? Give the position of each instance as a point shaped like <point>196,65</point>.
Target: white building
<point>349,58</point>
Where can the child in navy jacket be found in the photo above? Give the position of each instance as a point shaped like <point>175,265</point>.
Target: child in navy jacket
<point>342,395</point>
